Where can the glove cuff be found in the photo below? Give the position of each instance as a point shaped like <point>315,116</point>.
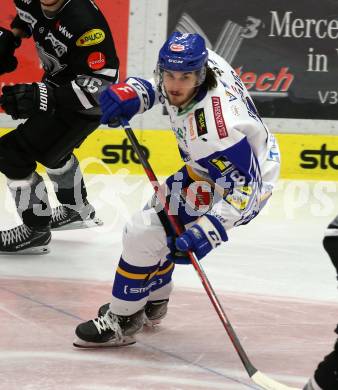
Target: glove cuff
<point>144,91</point>
<point>213,229</point>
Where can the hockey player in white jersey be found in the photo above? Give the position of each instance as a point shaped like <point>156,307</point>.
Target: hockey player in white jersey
<point>231,164</point>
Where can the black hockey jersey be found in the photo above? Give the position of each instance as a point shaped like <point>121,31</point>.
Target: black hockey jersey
<point>76,50</point>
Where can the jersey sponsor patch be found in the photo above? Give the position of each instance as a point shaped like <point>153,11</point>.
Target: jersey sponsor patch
<point>218,115</point>
<point>91,37</point>
<point>223,165</point>
<point>191,127</point>
<point>201,122</point>
<point>239,198</point>
<point>96,60</point>
<point>63,30</point>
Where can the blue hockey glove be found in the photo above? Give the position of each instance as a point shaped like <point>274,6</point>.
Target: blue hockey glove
<point>175,255</point>
<point>119,100</point>
<point>126,99</point>
<point>201,238</point>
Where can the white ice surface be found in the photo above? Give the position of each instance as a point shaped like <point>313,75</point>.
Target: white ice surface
<point>277,254</point>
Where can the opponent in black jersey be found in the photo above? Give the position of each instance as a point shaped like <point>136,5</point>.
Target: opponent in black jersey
<point>77,51</point>
<point>325,376</point>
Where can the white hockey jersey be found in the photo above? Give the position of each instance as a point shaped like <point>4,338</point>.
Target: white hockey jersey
<point>222,140</point>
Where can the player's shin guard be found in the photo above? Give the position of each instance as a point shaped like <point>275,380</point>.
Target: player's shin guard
<point>133,284</point>
<point>75,211</point>
<point>68,182</point>
<point>154,287</point>
<point>31,200</point>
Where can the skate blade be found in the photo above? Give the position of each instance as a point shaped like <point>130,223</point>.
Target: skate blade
<point>38,250</point>
<point>90,223</point>
<point>127,340</point>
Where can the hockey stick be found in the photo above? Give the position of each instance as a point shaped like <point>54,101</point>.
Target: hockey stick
<point>258,377</point>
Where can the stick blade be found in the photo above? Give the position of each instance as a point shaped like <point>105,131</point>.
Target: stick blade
<point>269,384</point>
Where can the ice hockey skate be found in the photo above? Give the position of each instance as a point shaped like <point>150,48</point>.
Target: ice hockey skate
<point>25,240</point>
<point>154,311</point>
<point>67,218</point>
<point>109,330</point>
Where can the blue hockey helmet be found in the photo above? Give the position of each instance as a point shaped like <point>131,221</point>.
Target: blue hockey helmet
<point>183,52</point>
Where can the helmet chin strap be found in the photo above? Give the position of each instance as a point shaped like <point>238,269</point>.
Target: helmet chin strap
<point>159,83</point>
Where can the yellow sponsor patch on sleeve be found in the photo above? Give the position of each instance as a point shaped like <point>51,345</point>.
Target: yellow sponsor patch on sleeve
<point>240,197</point>
<point>91,37</point>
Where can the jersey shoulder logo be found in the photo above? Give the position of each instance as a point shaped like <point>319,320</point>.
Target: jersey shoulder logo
<point>91,37</point>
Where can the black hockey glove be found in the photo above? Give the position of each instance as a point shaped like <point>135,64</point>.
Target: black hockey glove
<point>22,101</point>
<point>8,43</point>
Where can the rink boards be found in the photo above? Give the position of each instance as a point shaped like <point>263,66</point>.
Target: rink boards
<point>304,156</point>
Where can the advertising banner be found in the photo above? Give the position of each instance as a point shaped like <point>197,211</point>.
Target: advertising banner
<point>309,157</point>
<point>29,69</point>
<point>304,157</point>
<point>286,52</point>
